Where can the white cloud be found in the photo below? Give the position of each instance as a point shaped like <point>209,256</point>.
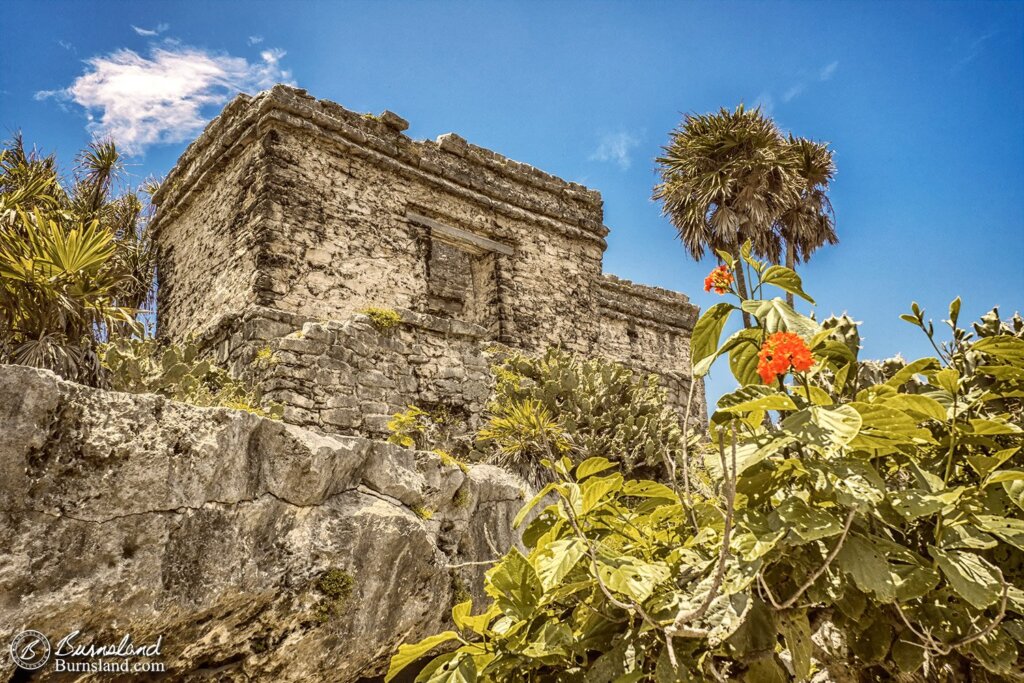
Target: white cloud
<point>166,97</point>
<point>273,55</point>
<point>616,148</point>
<point>149,32</point>
<point>766,102</point>
<point>255,40</point>
<point>793,92</point>
<point>973,50</point>
<point>67,45</point>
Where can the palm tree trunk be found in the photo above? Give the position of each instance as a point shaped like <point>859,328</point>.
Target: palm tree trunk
<point>741,285</point>
<point>791,264</point>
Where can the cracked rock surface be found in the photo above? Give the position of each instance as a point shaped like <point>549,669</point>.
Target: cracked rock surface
<point>215,529</point>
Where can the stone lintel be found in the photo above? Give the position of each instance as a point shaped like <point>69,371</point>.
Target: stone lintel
<point>459,235</point>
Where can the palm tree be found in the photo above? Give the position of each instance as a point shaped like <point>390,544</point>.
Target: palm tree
<point>75,264</point>
<point>726,178</point>
<point>809,223</point>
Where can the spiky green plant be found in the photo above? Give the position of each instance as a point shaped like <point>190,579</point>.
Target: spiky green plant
<point>76,262</point>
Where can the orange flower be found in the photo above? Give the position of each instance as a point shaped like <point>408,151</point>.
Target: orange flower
<point>780,352</point>
<point>719,279</point>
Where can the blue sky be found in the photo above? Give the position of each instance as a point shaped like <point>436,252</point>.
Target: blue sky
<point>922,102</point>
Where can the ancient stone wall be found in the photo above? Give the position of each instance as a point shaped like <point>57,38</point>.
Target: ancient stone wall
<point>648,329</point>
<point>208,255</point>
<point>288,207</point>
<point>215,529</point>
<point>351,377</point>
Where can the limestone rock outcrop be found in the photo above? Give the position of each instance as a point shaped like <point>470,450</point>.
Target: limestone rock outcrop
<point>258,550</point>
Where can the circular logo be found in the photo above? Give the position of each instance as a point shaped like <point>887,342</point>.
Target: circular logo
<point>30,650</point>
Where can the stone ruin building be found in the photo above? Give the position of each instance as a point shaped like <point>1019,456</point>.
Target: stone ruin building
<point>302,549</point>
<point>289,215</point>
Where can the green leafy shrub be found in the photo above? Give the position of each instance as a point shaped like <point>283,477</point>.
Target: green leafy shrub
<point>435,427</point>
<point>580,408</point>
<point>179,373</point>
<point>410,428</point>
<point>384,319</point>
<point>855,532</point>
<point>76,262</point>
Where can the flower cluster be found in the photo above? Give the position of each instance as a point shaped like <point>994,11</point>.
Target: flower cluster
<point>780,352</point>
<point>719,279</point>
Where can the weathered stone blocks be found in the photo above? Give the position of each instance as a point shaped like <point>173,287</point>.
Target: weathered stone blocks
<point>342,212</point>
<point>212,528</point>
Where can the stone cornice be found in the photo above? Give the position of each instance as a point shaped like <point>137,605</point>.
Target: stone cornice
<point>661,307</point>
<point>477,174</point>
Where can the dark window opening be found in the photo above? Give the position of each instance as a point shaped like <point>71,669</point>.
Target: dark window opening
<point>462,283</point>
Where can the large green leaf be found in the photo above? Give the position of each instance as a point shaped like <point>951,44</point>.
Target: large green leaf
<point>797,632</point>
<point>867,567</point>
<point>557,559</point>
<point>1009,529</point>
<point>594,491</point>
<point>829,428</point>
<point>708,331</point>
<point>885,428</point>
<point>785,279</point>
<point>1004,476</point>
<point>857,483</point>
<point>649,489</point>
<point>996,652</point>
<point>407,654</point>
<point>514,585</point>
<point>459,669</point>
<point>916,404</point>
<point>970,575</point>
<point>807,522</point>
<point>748,453</point>
<point>1015,490</point>
<point>525,510</point>
<point>907,372</point>
<point>466,621</point>
<point>1004,346</point>
<point>552,638</point>
<point>592,466</point>
<point>744,347</point>
<point>915,503</point>
<point>983,465</point>
<point>755,397</point>
<point>630,575</point>
<point>765,670</point>
<point>778,316</point>
<point>993,427</point>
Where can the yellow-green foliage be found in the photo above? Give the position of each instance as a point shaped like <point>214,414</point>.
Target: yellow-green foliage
<point>384,319</point>
<point>76,262</point>
<point>449,460</point>
<point>265,358</point>
<point>179,373</point>
<point>407,428</point>
<point>336,586</point>
<point>460,591</point>
<point>520,433</point>
<point>461,498</point>
<point>869,533</point>
<point>602,408</point>
<point>422,512</point>
<point>417,427</point>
